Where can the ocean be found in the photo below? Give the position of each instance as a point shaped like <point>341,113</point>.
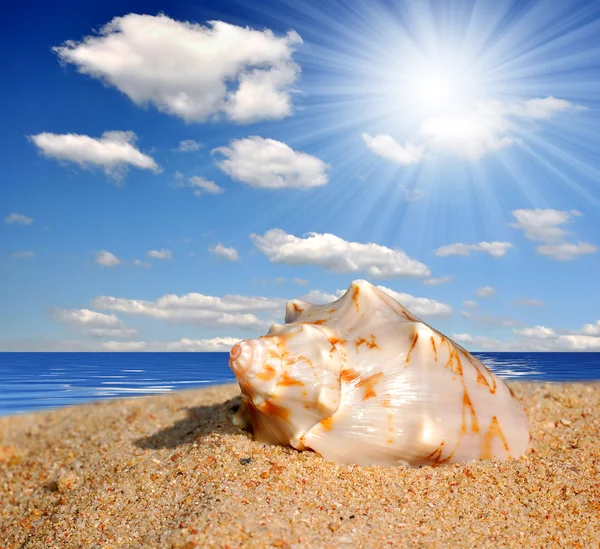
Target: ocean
<point>37,381</point>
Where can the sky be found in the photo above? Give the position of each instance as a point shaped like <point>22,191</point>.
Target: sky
<point>174,172</point>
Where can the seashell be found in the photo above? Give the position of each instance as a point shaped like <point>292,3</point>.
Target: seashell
<point>362,380</point>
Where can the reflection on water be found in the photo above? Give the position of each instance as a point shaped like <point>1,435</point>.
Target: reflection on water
<point>35,381</point>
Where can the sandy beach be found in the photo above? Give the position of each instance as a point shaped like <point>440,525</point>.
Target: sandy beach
<point>173,472</point>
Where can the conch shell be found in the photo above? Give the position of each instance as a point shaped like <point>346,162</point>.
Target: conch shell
<point>364,381</point>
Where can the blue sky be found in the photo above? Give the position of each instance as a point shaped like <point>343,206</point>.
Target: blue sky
<point>174,172</point>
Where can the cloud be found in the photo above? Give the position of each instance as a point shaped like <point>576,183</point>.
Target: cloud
<point>542,338</point>
<point>546,226</point>
<point>25,254</point>
<point>539,339</point>
<point>300,281</point>
<point>471,134</point>
<point>495,249</point>
<point>319,297</point>
<point>543,108</point>
<point>216,344</point>
<point>188,145</point>
<point>470,304</point>
<point>106,259</point>
<point>212,345</point>
<point>93,323</point>
<point>387,147</point>
<point>419,306</point>
<point>192,71</point>
<point>234,311</point>
<point>485,291</point>
<point>269,164</point>
<point>160,254</point>
<point>114,151</point>
<point>591,329</point>
<point>337,255</point>
<point>199,184</point>
<point>437,281</point>
<point>17,219</point>
<point>140,263</point>
<point>230,254</point>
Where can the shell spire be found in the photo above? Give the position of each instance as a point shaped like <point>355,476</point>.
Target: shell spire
<point>362,380</point>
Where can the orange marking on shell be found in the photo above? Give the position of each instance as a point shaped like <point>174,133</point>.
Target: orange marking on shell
<point>336,341</point>
<point>386,403</point>
<point>481,379</point>
<point>494,430</point>
<point>287,381</point>
<point>436,454</point>
<point>298,358</point>
<point>349,375</point>
<point>474,423</point>
<point>327,423</point>
<point>319,322</point>
<point>434,349</point>
<point>454,358</point>
<point>297,308</point>
<point>370,344</point>
<point>355,295</point>
<point>267,373</point>
<point>369,385</point>
<point>274,410</point>
<point>511,392</point>
<point>412,347</point>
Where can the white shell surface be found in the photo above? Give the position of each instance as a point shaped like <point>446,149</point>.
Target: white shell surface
<point>363,381</point>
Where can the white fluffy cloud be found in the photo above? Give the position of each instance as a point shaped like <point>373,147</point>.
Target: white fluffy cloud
<point>542,338</point>
<point>387,147</point>
<point>419,306</point>
<point>495,249</point>
<point>140,263</point>
<point>188,145</point>
<point>160,254</point>
<point>270,164</point>
<point>546,226</point>
<point>319,297</point>
<point>192,71</point>
<point>17,219</point>
<point>470,304</point>
<point>114,151</point>
<point>198,184</point>
<point>542,108</point>
<point>93,323</point>
<point>214,345</point>
<point>488,127</point>
<point>485,291</point>
<point>230,254</point>
<point>234,311</point>
<point>591,329</point>
<point>470,135</point>
<point>437,281</point>
<point>106,259</point>
<point>337,255</point>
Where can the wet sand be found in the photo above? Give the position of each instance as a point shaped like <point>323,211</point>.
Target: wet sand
<point>172,471</point>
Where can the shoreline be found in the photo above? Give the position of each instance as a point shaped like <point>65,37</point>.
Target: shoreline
<point>172,471</point>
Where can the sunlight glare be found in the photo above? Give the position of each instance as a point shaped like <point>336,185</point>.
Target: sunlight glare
<point>441,88</point>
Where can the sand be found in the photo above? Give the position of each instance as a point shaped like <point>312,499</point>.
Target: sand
<point>172,472</point>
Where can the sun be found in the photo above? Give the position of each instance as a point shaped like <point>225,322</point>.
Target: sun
<point>441,87</point>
